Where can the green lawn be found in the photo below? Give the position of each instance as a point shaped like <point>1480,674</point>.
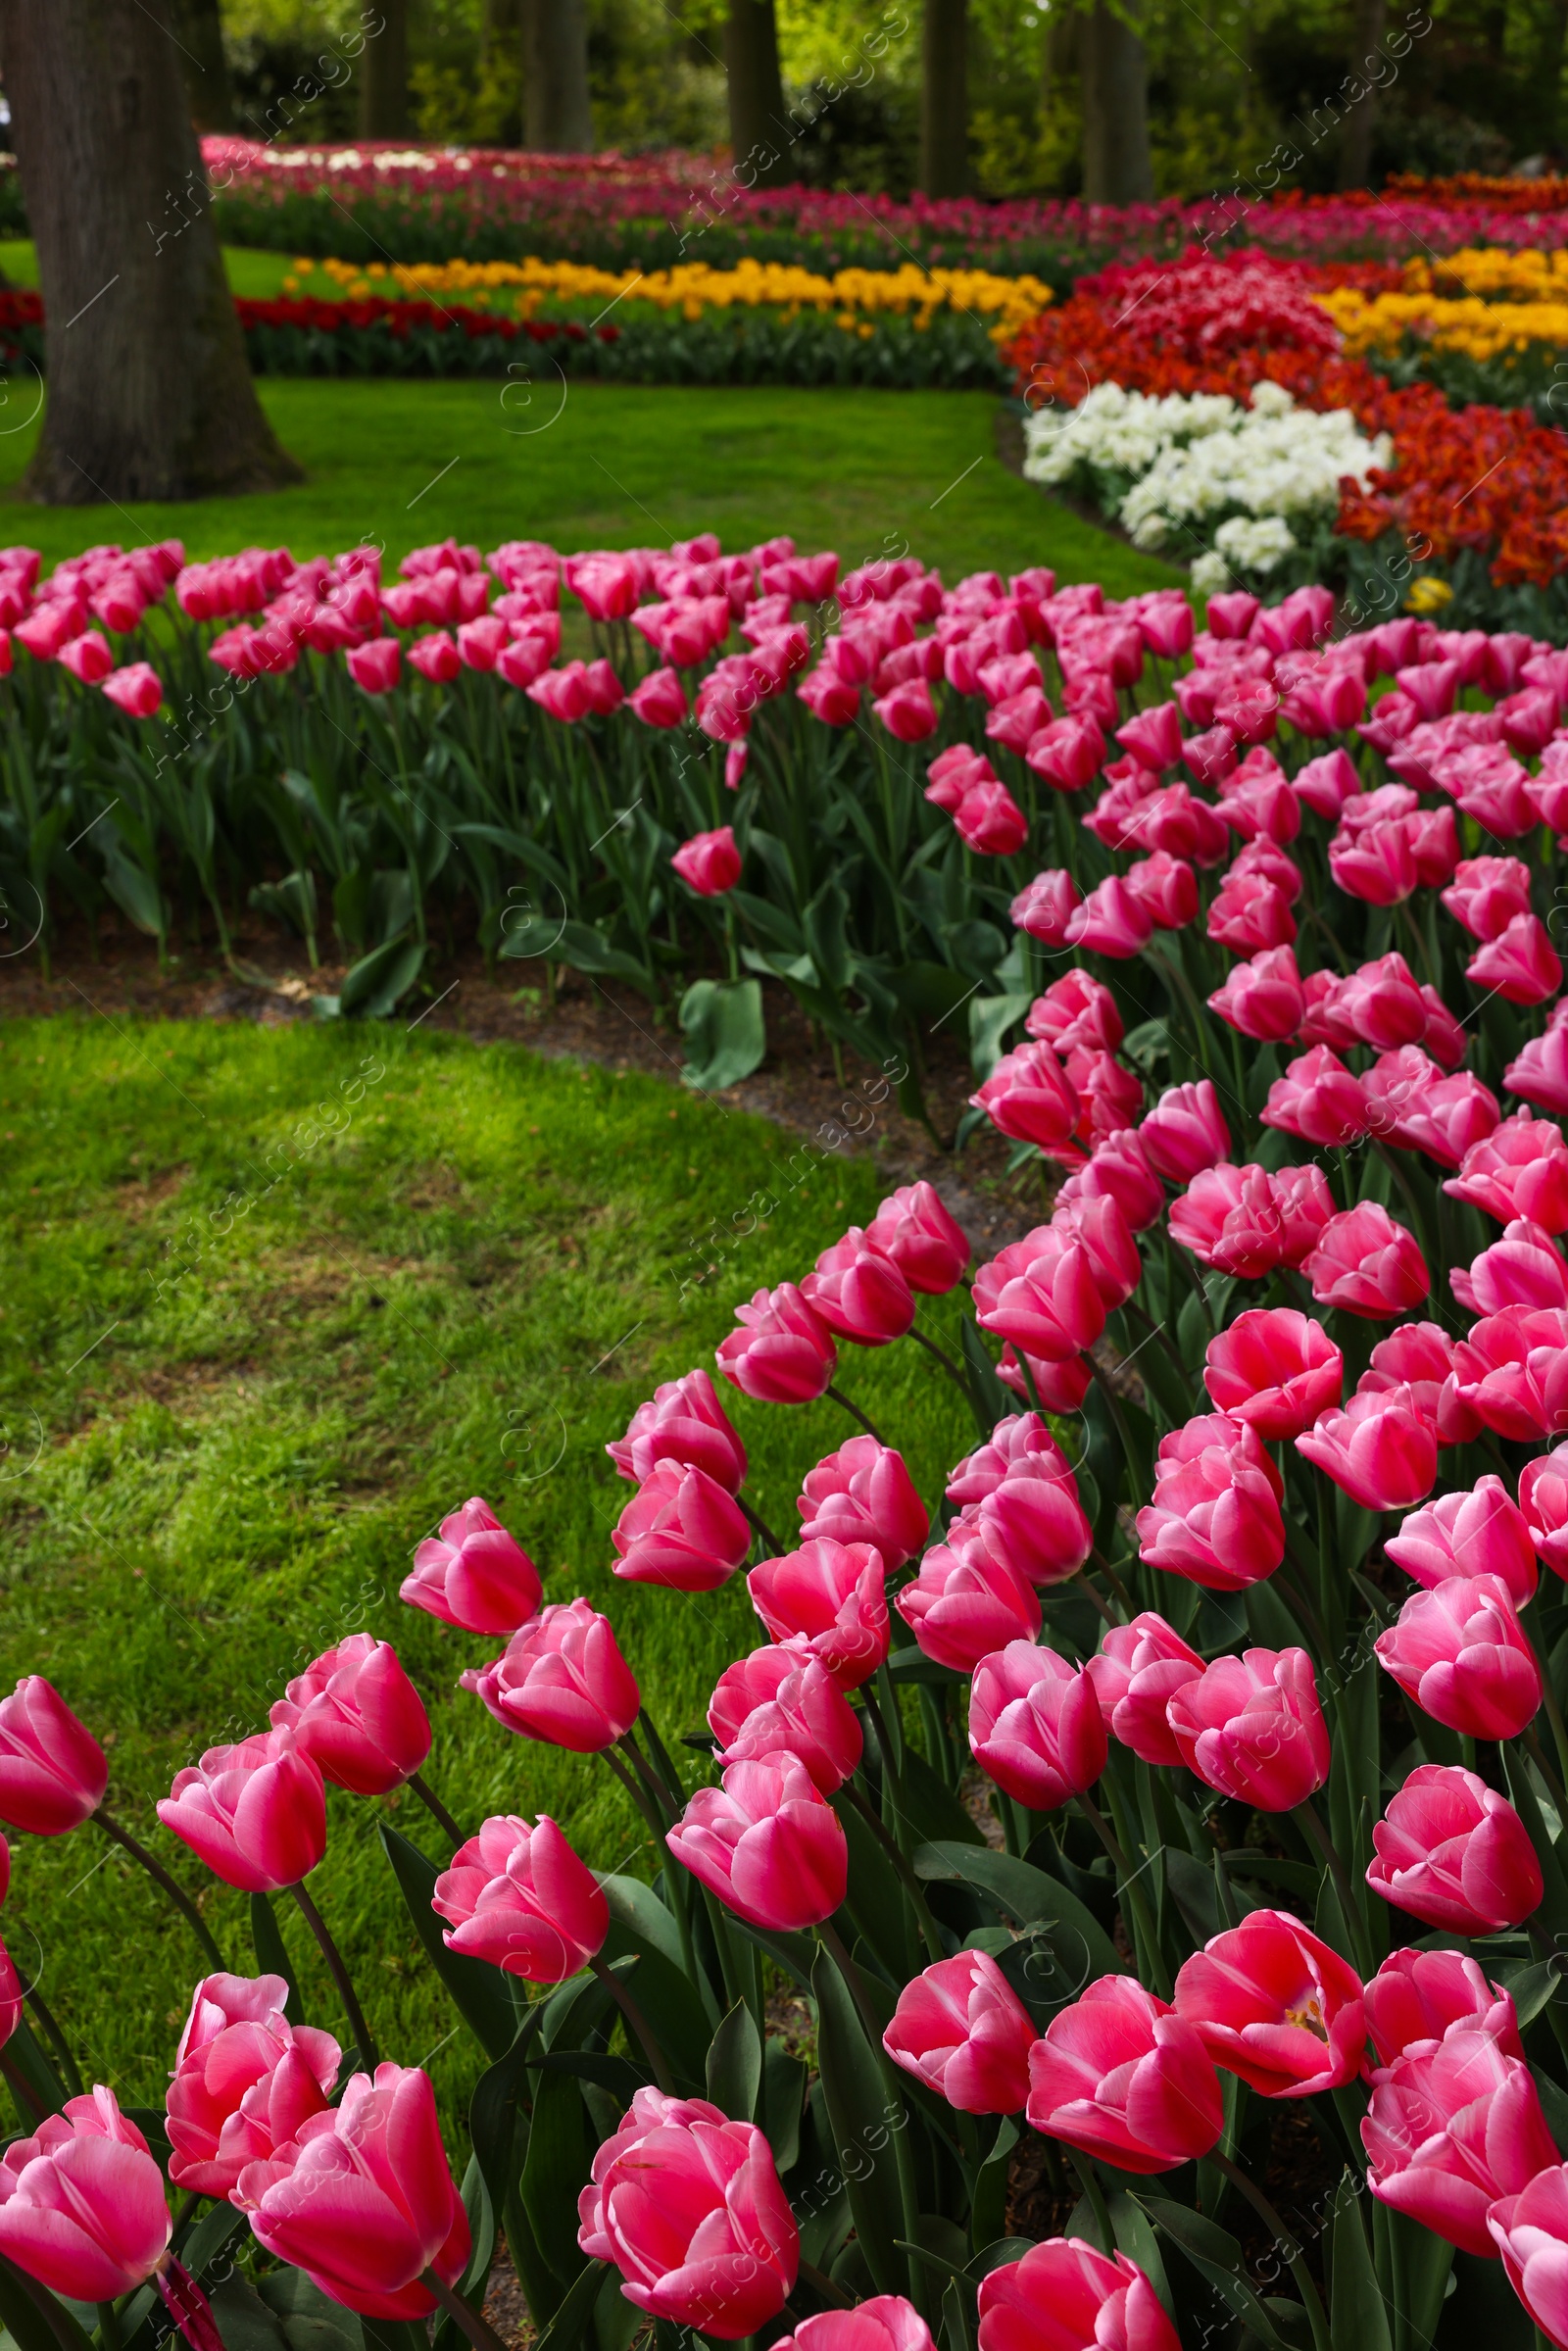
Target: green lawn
<point>467,1290</point>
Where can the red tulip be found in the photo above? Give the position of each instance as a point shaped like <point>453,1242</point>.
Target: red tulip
<point>1276,1370</point>
<point>683,1422</point>
<point>1382,1450</point>
<point>783,1353</point>
<point>561,1679</point>
<point>244,2081</point>
<point>859,1292</point>
<point>1461,1653</point>
<point>1418,1999</point>
<point>1135,1672</point>
<point>968,1599</point>
<point>357,1715</point>
<point>254,1812</point>
<point>1185,1132</point>
<point>1215,1514</point>
<point>961,2030</point>
<point>863,1494</point>
<point>767,1844</point>
<point>53,1771</point>
<point>1273,2003</point>
<point>709,863</point>
<point>1251,1726</point>
<point>1065,2295</point>
<point>82,2202</point>
<point>1041,1294</point>
<point>474,1575</point>
<point>1455,1854</point>
<point>781,1701</point>
<point>1121,2075</point>
<point>830,1596</point>
<point>521,1900</point>
<point>1451,2130</point>
<point>1521,1170</point>
<point>1477,1533</point>
<point>914,1229</point>
<point>1035,1725</point>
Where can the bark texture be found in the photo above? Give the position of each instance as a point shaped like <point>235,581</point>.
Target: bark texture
<point>758,129</point>
<point>206,83</point>
<point>1356,141</point>
<point>944,98</point>
<point>384,74</point>
<point>150,395</point>
<point>558,118</point>
<point>1114,73</point>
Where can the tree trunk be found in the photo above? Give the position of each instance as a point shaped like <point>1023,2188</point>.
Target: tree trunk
<point>944,98</point>
<point>759,132</point>
<point>206,68</point>
<point>1059,56</point>
<point>1118,166</point>
<point>149,392</point>
<point>557,119</point>
<point>1356,141</point>
<point>384,74</point>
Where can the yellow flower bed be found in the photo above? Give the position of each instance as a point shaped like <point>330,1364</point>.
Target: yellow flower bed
<point>855,296</point>
<point>1492,272</point>
<point>1481,330</point>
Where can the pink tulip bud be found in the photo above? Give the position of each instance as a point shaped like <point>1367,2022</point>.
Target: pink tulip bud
<point>1135,1672</point>
<point>82,2202</point>
<point>53,1771</point>
<point>659,700</point>
<point>767,1844</point>
<point>1382,1450</point>
<point>1275,1369</point>
<point>1381,1003</point>
<point>474,1575</point>
<point>1121,2075</point>
<point>1029,1099</point>
<point>362,2200</point>
<point>1477,1533</point>
<point>924,1243</point>
<point>684,1422</point>
<point>1167,886</point>
<point>1487,892</point>
<point>1368,1264</point>
<point>1272,2003</point>
<point>1076,1010</point>
<point>521,1900</point>
<point>709,863</point>
<point>357,1715</point>
<point>1512,1371</point>
<point>1019,1447</point>
<point>885,2322</point>
<point>1036,1522</point>
<point>1543,1506</point>
<point>681,1530</point>
<point>1326,783</point>
<point>1251,1726</point>
<point>831,1596</point>
<point>435,658</point>
<point>1461,1653</point>
<point>1067,753</point>
<point>1098,1227</point>
<point>781,1701</point>
<point>254,1812</point>
<point>1450,2131</point>
<point>989,820</point>
<point>1112,920</point>
<point>1066,2293</point>
<point>1041,1294</point>
<point>1419,1355</point>
<point>244,2081</point>
<point>1035,1725</point>
<point>1119,1169</point>
<point>561,1679</point>
<point>961,2030</point>
<point>1520,1170</point>
<point>859,1292</point>
<point>1520,964</point>
<point>136,689</point>
<point>1262,998</point>
<point>1185,1132</point>
<point>969,1597</point>
<point>864,1493</point>
<point>1454,1854</point>
<point>1418,1999</point>
<point>1046,906</point>
<point>1522,1269</point>
<point>1251,914</point>
<point>1317,1099</point>
<point>376,667</point>
<point>1530,2230</point>
<point>1215,1514</point>
<point>783,1353</point>
<point>688,2206</point>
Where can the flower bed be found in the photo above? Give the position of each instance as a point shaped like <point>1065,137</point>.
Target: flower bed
<point>1182,1787</point>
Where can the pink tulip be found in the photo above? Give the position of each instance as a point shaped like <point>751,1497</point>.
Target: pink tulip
<point>605,585</point>
<point>1167,886</point>
<point>831,1597</point>
<point>1067,753</point>
<point>989,820</point>
<point>1250,1728</point>
<point>680,1530</point>
<point>1136,1671</point>
<point>709,863</point>
<point>362,2199</point>
<point>1067,2295</point>
<point>968,1599</point>
<point>435,658</point>
<point>1076,1010</point>
<point>53,1771</point>
<point>474,1575</point>
<point>1420,1355</point>
<point>1185,1132</point>
<point>1215,1514</point>
<point>1318,1099</point>
<point>1045,908</point>
<point>1262,998</point>
<point>1038,1523</point>
<point>659,700</point>
<point>82,2202</point>
<point>961,2030</point>
<point>683,1422</point>
<point>521,1900</point>
<point>688,2206</point>
<point>244,2081</point>
<point>1512,1371</point>
<point>1121,2075</point>
<point>357,1715</point>
<point>783,1353</point>
<point>1487,892</point>
<point>1461,1653</point>
<point>1446,1116</point>
<point>1522,1269</point>
<point>1530,2230</point>
<point>767,1844</point>
<point>864,1493</point>
<point>1112,920</point>
<point>376,667</point>
<point>1367,1264</point>
<point>914,1229</point>
<point>136,689</point>
<point>1041,1294</point>
<point>1019,1447</point>
<point>885,2322</point>
<point>1275,1369</point>
<point>1382,1450</point>
<point>561,1679</point>
<point>1538,1072</point>
<point>1273,2003</point>
<point>1450,2131</point>
<point>909,712</point>
<point>1035,1725</point>
<point>1543,1506</point>
<point>1326,783</point>
<point>781,1701</point>
<point>1119,1169</point>
<point>1455,1854</point>
<point>859,1292</point>
<point>1251,914</point>
<point>1520,964</point>
<point>954,773</point>
<point>1477,1533</point>
<point>1419,1999</point>
<point>1521,1170</point>
<point>254,1812</point>
<point>1381,1005</point>
<point>1029,1099</point>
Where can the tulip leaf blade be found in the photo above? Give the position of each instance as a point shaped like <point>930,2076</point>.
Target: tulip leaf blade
<point>1552,1913</point>
<point>1357,2310</point>
<point>271,1954</point>
<point>862,2117</point>
<point>989,1401</point>
<point>1217,2258</point>
<point>725,1033</point>
<point>638,1909</point>
<point>36,2319</point>
<point>479,1992</point>
<point>989,2202</point>
<point>573,2320</point>
<point>734,2068</point>
<point>1027,1897</point>
<point>555,2168</point>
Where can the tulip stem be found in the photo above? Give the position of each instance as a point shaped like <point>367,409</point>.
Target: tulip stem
<point>759,1526</point>
<point>1537,1756</point>
<point>648,1775</point>
<point>673,1868</point>
<point>1307,1812</point>
<point>635,2018</point>
<point>1094,2197</point>
<point>108,2326</point>
<point>364,2040</point>
<point>927,1925</point>
<point>1143,1923</point>
<point>1124,1598</point>
<point>478,2329</point>
<point>1295,2259</point>
<point>28,2099</point>
<point>916,1333</point>
<point>854,1411</point>
<point>1548,1696</point>
<point>437,1810</point>
<point>904,2155</point>
<point>824,2288</point>
<point>62,2047</point>
<point>160,1877</point>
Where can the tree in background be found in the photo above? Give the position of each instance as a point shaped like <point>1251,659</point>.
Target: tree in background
<point>558,118</point>
<point>944,98</point>
<point>1113,75</point>
<point>758,126</point>
<point>150,395</point>
<point>384,76</point>
<point>206,65</point>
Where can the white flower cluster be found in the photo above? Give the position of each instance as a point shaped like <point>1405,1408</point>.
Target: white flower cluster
<point>1203,467</point>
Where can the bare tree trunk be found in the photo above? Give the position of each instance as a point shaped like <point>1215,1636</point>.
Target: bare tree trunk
<point>1118,166</point>
<point>944,98</point>
<point>149,392</point>
<point>1355,141</point>
<point>206,83</point>
<point>1058,57</point>
<point>384,74</point>
<point>557,119</point>
<point>759,132</point>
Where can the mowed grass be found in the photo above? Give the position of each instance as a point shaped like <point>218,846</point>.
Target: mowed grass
<point>465,1280</point>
